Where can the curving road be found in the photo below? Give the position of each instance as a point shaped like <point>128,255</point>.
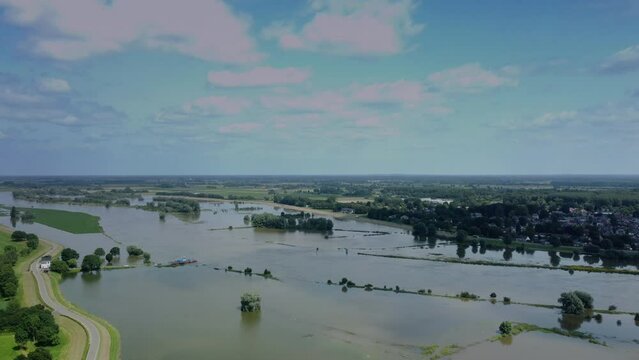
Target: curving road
<point>50,301</point>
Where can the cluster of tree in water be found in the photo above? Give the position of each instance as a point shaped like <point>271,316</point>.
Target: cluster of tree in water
<point>301,221</point>
<point>93,262</point>
<point>173,205</point>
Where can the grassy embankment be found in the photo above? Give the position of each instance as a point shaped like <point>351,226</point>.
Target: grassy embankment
<point>112,333</point>
<point>69,221</point>
<point>28,296</point>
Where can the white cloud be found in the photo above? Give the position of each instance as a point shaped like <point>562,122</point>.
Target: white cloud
<point>324,101</point>
<point>554,118</point>
<point>76,29</point>
<point>473,78</point>
<point>54,85</point>
<point>217,104</point>
<point>405,93</point>
<point>239,128</point>
<point>622,61</point>
<point>22,102</point>
<point>259,76</point>
<point>375,27</point>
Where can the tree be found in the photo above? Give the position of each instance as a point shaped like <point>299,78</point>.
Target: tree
<point>571,303</point>
<point>461,236</point>
<point>99,251</point>
<point>432,231</point>
<point>14,212</point>
<point>250,303</point>
<point>18,235</point>
<point>91,263</point>
<point>147,257</point>
<point>21,337</point>
<point>73,263</point>
<point>420,230</point>
<point>68,254</point>
<point>585,298</point>
<point>109,257</point>
<point>115,251</point>
<point>32,241</point>
<point>40,354</point>
<point>59,266</point>
<point>506,328</point>
<point>134,250</point>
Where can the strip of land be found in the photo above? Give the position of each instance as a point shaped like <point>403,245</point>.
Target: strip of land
<point>84,336</point>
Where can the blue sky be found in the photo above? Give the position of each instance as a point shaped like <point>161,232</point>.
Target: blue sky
<point>319,87</point>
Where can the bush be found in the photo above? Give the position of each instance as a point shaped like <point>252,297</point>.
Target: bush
<point>99,251</point>
<point>248,271</point>
<point>59,266</point>
<point>467,295</point>
<point>506,300</point>
<point>506,328</point>
<point>250,303</point>
<point>612,307</point>
<point>73,263</point>
<point>493,295</point>
<point>343,281</point>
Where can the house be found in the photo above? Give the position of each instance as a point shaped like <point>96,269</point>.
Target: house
<point>346,210</point>
<point>45,263</point>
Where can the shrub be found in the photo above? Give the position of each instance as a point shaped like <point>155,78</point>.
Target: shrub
<point>99,251</point>
<point>493,295</point>
<point>329,282</point>
<point>343,281</point>
<point>506,300</point>
<point>506,328</point>
<point>637,317</point>
<point>612,307</point>
<point>350,284</point>
<point>467,295</point>
<point>248,271</point>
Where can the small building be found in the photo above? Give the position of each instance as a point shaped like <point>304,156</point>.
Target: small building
<point>45,263</point>
<point>346,210</point>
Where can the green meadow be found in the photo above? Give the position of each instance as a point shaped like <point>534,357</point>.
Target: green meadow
<point>69,221</point>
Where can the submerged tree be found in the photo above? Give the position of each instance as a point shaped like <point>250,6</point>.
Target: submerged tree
<point>506,328</point>
<point>575,302</point>
<point>250,302</point>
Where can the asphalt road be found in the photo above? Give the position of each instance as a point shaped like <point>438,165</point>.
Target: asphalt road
<point>49,300</point>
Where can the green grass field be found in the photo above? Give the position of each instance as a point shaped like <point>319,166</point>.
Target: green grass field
<point>69,221</point>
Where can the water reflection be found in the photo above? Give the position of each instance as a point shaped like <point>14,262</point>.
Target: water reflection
<point>250,321</point>
<point>91,277</point>
<point>508,254</point>
<point>461,251</point>
<point>506,340</point>
<point>571,322</point>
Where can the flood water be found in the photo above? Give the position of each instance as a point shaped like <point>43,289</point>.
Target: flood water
<point>193,311</point>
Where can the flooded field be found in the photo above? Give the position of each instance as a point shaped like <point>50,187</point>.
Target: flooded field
<point>193,311</point>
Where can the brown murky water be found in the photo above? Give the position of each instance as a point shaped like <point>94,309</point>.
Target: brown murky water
<point>193,311</point>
